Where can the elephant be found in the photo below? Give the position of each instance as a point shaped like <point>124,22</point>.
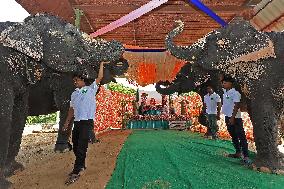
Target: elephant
<point>192,77</point>
<point>38,59</point>
<point>255,60</point>
<point>53,94</point>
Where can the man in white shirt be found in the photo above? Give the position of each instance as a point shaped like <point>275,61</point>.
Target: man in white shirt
<point>82,108</point>
<point>231,110</point>
<point>212,104</point>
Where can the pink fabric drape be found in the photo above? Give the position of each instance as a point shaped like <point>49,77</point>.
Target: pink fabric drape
<point>130,17</point>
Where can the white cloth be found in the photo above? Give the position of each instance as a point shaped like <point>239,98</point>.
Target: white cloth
<point>230,97</point>
<point>211,102</point>
<point>83,102</point>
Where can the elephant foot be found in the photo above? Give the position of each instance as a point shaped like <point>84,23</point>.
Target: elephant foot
<point>13,168</point>
<point>4,184</point>
<point>264,169</point>
<point>62,148</point>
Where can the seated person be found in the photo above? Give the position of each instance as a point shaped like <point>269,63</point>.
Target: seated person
<point>153,102</point>
<point>172,110</point>
<point>165,109</point>
<point>141,108</point>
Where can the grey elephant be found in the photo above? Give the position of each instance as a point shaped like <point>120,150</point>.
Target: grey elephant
<point>255,60</point>
<point>192,77</point>
<point>40,56</point>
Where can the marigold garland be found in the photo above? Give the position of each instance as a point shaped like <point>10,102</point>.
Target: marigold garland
<point>109,112</point>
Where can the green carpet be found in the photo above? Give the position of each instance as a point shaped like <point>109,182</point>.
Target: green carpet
<point>183,160</point>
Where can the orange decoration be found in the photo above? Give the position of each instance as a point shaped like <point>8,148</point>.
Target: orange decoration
<point>146,73</point>
<point>108,113</point>
<point>177,68</point>
<point>109,108</point>
<point>150,67</point>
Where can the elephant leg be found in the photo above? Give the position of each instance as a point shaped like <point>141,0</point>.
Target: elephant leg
<point>264,119</point>
<point>62,143</point>
<point>6,109</point>
<point>19,115</point>
<point>281,126</point>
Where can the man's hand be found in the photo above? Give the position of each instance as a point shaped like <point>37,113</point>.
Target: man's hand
<point>103,63</point>
<point>232,121</point>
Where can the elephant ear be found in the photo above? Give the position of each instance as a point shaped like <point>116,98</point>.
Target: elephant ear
<point>25,38</point>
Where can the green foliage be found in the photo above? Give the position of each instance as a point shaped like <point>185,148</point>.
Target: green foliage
<point>191,93</point>
<point>120,88</point>
<point>50,118</point>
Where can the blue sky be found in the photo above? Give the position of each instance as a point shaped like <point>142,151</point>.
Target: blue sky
<point>10,10</point>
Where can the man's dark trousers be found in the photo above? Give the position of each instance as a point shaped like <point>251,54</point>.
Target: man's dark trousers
<point>80,138</point>
<point>238,135</point>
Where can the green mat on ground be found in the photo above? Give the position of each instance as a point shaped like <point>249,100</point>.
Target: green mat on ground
<point>183,160</point>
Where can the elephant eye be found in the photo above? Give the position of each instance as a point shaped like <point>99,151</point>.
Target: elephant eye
<point>72,33</point>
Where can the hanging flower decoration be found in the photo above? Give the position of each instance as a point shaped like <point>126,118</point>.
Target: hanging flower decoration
<point>150,67</point>
<point>178,66</point>
<point>146,73</point>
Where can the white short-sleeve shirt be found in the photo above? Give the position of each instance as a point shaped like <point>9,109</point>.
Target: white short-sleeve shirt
<point>211,101</point>
<point>230,97</point>
<point>83,102</point>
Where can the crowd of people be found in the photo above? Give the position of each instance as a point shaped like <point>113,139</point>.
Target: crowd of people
<point>165,108</point>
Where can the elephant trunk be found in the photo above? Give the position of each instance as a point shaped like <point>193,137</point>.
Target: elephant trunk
<point>106,51</point>
<point>170,89</point>
<point>182,52</point>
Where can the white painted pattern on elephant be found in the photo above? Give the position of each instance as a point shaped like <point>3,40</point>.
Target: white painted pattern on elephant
<point>249,64</point>
<point>22,45</point>
<point>246,87</point>
<point>278,93</point>
<point>263,53</point>
<point>200,43</point>
<point>223,43</point>
<point>55,33</point>
<point>251,70</point>
<point>15,63</point>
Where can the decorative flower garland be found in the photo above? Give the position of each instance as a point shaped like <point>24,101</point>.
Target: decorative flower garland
<point>109,112</point>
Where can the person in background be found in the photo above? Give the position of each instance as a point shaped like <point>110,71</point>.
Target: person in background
<point>172,110</point>
<point>82,108</point>
<point>141,108</point>
<point>233,119</point>
<point>212,105</point>
<point>165,108</point>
